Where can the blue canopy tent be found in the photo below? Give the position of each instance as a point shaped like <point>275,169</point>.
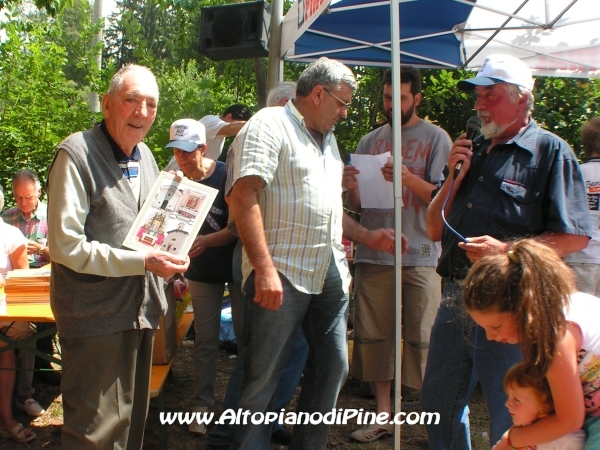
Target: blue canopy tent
<point>555,38</point>
<point>357,32</point>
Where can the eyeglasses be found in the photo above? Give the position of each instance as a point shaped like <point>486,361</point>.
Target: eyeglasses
<point>344,104</point>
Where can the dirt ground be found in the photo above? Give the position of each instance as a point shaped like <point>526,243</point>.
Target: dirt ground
<point>178,398</point>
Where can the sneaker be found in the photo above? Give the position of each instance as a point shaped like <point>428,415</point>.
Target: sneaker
<point>195,427</point>
<point>31,407</point>
<point>370,433</point>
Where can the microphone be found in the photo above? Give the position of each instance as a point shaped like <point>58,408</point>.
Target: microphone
<point>473,127</point>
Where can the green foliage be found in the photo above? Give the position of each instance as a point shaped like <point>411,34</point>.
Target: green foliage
<point>38,106</point>
<point>364,113</point>
<point>155,29</point>
<point>563,105</point>
<point>443,104</point>
<point>50,6</point>
<point>76,37</point>
<point>187,92</point>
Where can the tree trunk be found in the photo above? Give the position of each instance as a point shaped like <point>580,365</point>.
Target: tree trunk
<point>261,81</point>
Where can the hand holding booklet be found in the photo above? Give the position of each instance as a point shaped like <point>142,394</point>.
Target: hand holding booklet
<point>171,216</point>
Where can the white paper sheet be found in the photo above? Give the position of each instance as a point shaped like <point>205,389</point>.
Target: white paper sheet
<point>374,191</point>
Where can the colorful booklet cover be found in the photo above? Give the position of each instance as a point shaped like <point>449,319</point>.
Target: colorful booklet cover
<point>171,217</point>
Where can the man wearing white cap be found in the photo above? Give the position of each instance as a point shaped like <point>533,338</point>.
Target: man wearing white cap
<point>211,259</point>
<point>516,180</point>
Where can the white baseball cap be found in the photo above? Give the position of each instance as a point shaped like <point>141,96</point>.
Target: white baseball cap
<point>500,69</point>
<point>187,135</point>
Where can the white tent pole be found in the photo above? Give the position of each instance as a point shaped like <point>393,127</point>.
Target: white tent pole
<point>275,72</point>
<point>397,154</point>
<point>93,96</point>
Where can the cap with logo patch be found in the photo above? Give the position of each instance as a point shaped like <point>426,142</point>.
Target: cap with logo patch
<point>187,135</point>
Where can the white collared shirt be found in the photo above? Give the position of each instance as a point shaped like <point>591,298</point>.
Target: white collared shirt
<point>301,203</point>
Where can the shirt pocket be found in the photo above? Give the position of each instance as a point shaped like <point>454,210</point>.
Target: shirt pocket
<point>516,209</point>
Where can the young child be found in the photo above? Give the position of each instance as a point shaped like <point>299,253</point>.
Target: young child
<point>528,296</point>
<point>530,399</point>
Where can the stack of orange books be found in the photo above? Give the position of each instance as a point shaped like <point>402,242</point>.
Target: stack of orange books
<point>28,285</point>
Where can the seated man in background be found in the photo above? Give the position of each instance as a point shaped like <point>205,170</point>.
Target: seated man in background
<point>29,216</point>
<point>13,255</point>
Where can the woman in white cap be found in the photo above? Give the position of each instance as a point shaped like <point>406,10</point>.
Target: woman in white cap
<point>210,265</point>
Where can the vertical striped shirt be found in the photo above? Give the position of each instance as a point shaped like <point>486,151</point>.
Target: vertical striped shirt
<point>301,203</point>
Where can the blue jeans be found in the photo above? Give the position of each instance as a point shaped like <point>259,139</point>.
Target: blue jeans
<point>459,356</point>
<point>323,318</point>
<point>224,433</point>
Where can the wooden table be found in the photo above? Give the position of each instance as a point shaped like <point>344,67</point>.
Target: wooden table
<point>28,312</point>
<point>31,312</point>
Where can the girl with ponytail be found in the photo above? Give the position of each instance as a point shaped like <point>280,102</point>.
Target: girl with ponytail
<point>528,296</point>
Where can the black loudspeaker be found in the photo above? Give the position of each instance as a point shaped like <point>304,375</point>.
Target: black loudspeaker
<point>235,31</point>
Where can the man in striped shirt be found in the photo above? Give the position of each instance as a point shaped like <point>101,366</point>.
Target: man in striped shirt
<point>287,204</point>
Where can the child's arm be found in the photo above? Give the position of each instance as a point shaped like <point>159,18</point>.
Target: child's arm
<point>567,394</point>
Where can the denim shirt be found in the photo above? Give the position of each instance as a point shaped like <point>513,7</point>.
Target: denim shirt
<point>521,188</point>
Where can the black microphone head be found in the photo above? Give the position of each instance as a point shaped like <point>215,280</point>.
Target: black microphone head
<point>473,127</point>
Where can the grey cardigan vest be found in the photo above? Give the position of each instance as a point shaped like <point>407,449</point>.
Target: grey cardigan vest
<point>86,305</point>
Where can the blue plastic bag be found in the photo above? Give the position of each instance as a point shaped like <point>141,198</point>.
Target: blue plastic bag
<point>227,339</point>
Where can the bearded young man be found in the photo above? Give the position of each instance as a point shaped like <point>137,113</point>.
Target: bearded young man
<point>425,148</point>
<point>516,180</point>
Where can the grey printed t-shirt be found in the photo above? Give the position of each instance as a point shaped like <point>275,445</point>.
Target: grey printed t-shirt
<point>425,149</point>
